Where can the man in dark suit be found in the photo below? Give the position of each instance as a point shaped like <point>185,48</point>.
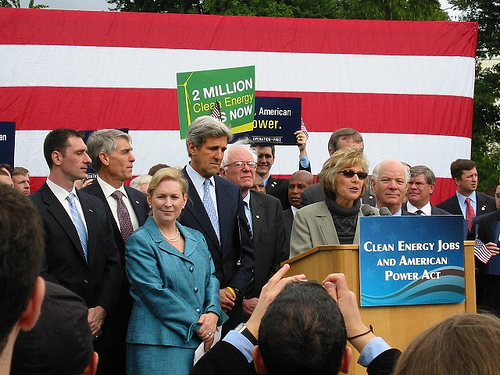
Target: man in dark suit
<point>420,189</point>
<point>266,156</point>
<point>265,217</point>
<point>80,251</point>
<point>464,174</point>
<point>215,208</point>
<point>299,182</point>
<point>488,289</point>
<point>339,139</point>
<point>112,158</point>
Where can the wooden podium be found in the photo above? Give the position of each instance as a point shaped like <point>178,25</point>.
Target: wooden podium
<point>397,325</point>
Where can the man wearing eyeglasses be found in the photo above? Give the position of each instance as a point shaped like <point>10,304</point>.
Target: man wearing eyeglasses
<point>389,182</point>
<point>265,218</point>
<point>420,189</point>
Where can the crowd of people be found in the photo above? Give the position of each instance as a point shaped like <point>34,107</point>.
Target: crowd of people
<point>141,279</point>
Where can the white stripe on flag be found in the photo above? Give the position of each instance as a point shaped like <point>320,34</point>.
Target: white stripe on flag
<point>78,66</point>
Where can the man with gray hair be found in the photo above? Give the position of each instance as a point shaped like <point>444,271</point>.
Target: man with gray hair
<point>265,217</point>
<point>389,182</point>
<point>112,158</point>
<point>420,189</point>
<point>215,208</point>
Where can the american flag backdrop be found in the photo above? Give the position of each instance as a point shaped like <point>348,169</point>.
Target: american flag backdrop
<point>406,86</point>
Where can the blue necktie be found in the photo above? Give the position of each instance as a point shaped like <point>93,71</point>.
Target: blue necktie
<point>78,222</point>
<point>210,208</point>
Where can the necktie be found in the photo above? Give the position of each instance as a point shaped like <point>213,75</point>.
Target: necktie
<point>419,212</point>
<point>78,222</point>
<point>210,208</point>
<point>469,212</point>
<point>248,214</point>
<point>126,227</point>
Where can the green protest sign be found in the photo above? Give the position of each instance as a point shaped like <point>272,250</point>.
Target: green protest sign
<point>233,88</point>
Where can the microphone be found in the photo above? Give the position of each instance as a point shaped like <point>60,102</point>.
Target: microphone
<point>384,211</point>
<point>367,210</point>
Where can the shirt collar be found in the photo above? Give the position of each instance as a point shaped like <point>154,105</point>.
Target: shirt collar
<point>425,209</point>
<point>60,193</point>
<point>198,179</point>
<point>107,189</point>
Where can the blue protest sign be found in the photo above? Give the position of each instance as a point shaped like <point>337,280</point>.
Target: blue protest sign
<point>411,260</point>
<point>7,142</point>
<point>275,121</point>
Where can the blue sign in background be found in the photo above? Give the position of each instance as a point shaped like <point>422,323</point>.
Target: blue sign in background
<point>275,121</point>
<point>411,260</point>
<point>7,142</point>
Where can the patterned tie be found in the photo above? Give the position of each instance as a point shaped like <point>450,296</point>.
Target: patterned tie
<point>78,222</point>
<point>469,212</point>
<point>419,212</point>
<point>126,227</point>
<point>209,207</point>
<point>248,214</point>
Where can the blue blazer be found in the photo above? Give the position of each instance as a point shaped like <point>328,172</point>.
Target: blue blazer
<point>171,290</point>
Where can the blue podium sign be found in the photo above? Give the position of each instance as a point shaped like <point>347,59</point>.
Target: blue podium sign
<point>7,142</point>
<point>411,260</point>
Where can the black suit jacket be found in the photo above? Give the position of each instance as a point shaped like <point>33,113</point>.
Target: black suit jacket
<point>434,210</point>
<point>99,281</point>
<point>269,238</point>
<point>485,204</point>
<point>225,359</point>
<point>278,188</point>
<point>288,220</point>
<point>233,256</point>
<point>139,204</point>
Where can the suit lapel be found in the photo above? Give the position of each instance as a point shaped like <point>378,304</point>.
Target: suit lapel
<point>257,215</point>
<point>61,216</point>
<point>197,211</point>
<point>139,208</point>
<point>326,225</point>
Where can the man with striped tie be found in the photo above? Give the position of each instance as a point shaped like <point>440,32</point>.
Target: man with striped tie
<point>80,252</point>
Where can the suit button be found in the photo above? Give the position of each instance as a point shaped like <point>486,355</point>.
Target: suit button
<point>85,281</point>
<point>198,311</point>
<point>195,289</point>
<point>191,269</point>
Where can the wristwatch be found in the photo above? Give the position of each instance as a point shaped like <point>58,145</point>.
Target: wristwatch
<point>242,328</point>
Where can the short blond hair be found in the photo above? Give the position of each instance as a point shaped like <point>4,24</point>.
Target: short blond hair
<point>340,160</point>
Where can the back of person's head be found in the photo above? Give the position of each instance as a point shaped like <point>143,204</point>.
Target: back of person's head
<point>458,166</point>
<point>459,345</point>
<point>205,127</point>
<point>155,168</point>
<point>57,140</point>
<point>302,332</point>
<point>21,254</point>
<point>104,140</point>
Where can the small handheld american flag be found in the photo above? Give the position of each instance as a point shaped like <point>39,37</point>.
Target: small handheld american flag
<point>216,112</point>
<point>481,251</point>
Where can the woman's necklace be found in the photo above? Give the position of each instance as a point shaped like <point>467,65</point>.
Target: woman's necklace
<point>174,238</point>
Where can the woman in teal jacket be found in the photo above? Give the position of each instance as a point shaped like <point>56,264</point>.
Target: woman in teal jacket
<point>173,284</point>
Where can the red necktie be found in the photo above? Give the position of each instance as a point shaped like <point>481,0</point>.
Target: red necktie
<point>469,212</point>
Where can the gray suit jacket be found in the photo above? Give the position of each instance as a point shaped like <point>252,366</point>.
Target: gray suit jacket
<point>313,226</point>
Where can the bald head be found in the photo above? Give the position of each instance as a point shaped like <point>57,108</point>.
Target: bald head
<point>389,183</point>
<point>299,181</point>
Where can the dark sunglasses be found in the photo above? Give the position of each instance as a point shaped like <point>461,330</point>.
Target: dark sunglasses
<point>350,173</point>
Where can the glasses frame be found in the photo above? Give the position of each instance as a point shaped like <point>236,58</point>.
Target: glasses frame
<point>241,164</point>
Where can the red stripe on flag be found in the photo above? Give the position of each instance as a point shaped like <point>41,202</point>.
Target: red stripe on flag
<point>43,108</point>
<point>181,31</point>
